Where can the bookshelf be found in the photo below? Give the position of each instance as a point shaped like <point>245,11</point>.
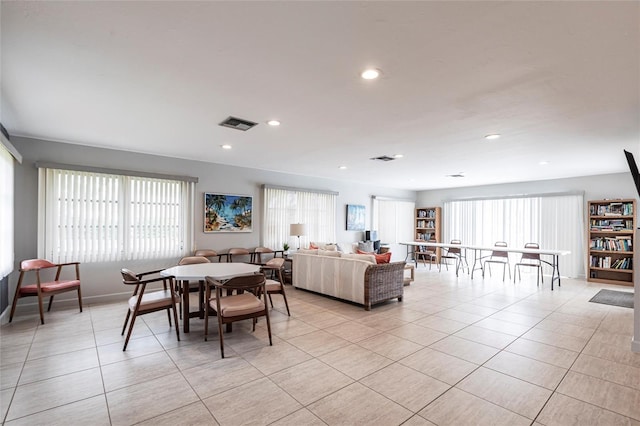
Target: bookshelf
<point>427,224</point>
<point>610,229</point>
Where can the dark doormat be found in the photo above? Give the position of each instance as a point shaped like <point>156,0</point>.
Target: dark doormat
<point>615,298</point>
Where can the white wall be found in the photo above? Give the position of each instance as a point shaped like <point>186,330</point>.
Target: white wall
<point>619,185</point>
<point>101,279</point>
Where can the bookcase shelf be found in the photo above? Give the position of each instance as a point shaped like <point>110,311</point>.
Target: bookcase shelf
<point>610,231</point>
<point>427,226</point>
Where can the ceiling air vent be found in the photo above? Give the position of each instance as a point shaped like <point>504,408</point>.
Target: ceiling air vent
<point>383,158</point>
<point>238,123</point>
<point>456,175</point>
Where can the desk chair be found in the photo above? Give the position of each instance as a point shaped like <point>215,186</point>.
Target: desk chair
<point>209,254</point>
<point>276,287</point>
<point>237,252</point>
<point>456,254</point>
<point>256,256</point>
<point>500,257</point>
<point>426,253</point>
<point>188,286</point>
<point>532,260</point>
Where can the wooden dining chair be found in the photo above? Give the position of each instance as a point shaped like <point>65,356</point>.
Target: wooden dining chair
<point>500,257</point>
<point>237,252</point>
<point>259,252</point>
<point>530,260</point>
<point>246,303</point>
<point>188,286</point>
<point>209,254</point>
<point>40,288</point>
<point>144,302</point>
<point>276,265</point>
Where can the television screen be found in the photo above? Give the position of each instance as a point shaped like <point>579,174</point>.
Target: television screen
<point>634,170</point>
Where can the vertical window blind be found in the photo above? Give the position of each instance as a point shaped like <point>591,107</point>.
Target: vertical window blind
<point>6,211</point>
<point>284,206</point>
<point>554,221</point>
<point>101,217</point>
<point>393,219</point>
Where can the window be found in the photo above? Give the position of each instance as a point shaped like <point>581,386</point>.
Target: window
<point>99,217</point>
<point>553,221</point>
<point>394,220</point>
<point>284,206</point>
<point>6,211</point>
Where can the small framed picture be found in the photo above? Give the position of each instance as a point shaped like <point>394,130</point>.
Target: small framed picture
<point>355,217</point>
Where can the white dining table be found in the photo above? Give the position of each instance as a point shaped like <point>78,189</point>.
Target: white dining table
<point>478,254</point>
<point>198,272</point>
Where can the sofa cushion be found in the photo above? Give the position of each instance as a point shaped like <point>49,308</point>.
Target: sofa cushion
<point>366,257</point>
<point>305,251</point>
<point>332,253</point>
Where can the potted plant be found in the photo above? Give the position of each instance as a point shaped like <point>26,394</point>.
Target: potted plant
<point>285,247</point>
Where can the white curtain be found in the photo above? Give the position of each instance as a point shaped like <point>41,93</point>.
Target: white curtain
<point>284,206</point>
<point>98,217</point>
<point>555,222</point>
<point>6,212</point>
<point>393,219</point>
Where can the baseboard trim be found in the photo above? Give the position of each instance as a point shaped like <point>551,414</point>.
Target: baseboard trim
<point>635,345</point>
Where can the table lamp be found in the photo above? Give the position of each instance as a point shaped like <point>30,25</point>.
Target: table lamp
<point>297,230</point>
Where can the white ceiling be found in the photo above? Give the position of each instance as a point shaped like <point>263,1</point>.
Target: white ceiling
<point>558,80</point>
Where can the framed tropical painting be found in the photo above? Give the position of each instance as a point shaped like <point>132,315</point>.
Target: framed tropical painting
<point>227,213</point>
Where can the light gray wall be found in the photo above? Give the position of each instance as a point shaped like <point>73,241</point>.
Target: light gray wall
<point>619,185</point>
<point>103,279</point>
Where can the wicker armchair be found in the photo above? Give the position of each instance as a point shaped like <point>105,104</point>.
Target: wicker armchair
<point>383,282</point>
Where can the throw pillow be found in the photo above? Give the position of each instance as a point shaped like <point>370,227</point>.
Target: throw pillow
<point>312,246</point>
<point>365,246</point>
<point>380,258</point>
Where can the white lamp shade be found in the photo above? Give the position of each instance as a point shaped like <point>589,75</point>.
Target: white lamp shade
<point>297,229</point>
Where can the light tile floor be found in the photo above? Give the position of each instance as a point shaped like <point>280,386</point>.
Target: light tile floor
<point>455,352</point>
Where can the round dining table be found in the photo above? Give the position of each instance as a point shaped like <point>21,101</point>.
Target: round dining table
<point>198,272</point>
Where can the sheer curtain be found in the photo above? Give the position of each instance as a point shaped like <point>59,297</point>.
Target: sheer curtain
<point>284,206</point>
<point>553,221</point>
<point>100,217</point>
<point>6,211</point>
<point>393,219</point>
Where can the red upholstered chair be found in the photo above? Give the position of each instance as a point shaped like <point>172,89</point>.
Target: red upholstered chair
<point>48,288</point>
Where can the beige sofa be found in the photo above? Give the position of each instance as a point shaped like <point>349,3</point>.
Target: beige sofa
<point>349,277</point>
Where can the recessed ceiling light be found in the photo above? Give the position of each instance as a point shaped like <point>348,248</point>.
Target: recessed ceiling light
<point>273,123</point>
<point>492,136</point>
<point>543,163</point>
<point>398,155</point>
<point>225,146</point>
<point>343,167</point>
<point>370,74</point>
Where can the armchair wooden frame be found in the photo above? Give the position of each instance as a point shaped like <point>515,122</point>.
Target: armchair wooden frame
<point>276,287</point>
<point>141,303</point>
<point>49,288</point>
<point>245,304</point>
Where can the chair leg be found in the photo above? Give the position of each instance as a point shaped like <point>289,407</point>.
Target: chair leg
<point>40,308</point>
<point>221,335</point>
<point>206,320</point>
<point>126,341</point>
<point>14,304</point>
<point>269,328</point>
<point>504,266</point>
<point>175,318</point>
<point>79,298</point>
<point>169,316</point>
<point>126,320</point>
<point>50,302</point>
<point>270,301</point>
<point>285,300</point>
